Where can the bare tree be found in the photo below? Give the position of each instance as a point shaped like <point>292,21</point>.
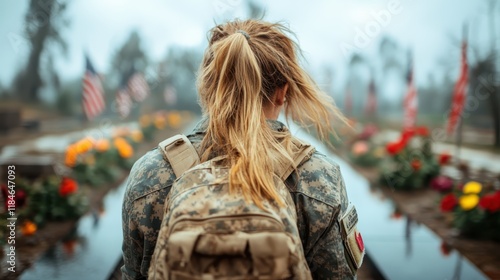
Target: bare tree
<point>43,21</point>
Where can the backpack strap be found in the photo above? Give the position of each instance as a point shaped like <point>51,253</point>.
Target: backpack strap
<point>180,153</point>
<point>303,150</point>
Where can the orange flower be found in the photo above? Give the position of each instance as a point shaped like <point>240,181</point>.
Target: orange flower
<point>123,147</point>
<point>28,228</point>
<point>102,145</point>
<point>71,156</point>
<point>84,145</point>
<point>67,187</point>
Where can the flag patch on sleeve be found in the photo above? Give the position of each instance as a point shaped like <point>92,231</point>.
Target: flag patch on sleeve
<point>353,240</point>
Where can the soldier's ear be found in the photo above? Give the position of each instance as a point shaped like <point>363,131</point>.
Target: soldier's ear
<point>279,97</point>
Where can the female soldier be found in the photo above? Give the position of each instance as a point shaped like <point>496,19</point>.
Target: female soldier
<point>249,73</point>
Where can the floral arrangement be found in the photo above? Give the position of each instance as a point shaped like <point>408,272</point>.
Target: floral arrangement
<point>364,153</point>
<point>50,199</point>
<point>95,162</point>
<point>475,212</point>
<point>411,164</point>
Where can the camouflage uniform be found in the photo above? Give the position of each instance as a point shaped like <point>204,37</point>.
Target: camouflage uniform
<point>319,194</point>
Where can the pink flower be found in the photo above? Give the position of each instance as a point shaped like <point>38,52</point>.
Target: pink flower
<point>442,184</point>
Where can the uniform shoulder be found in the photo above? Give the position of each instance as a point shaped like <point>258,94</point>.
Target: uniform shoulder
<point>320,178</point>
<point>150,173</point>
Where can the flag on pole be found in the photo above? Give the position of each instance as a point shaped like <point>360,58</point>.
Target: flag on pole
<point>459,93</point>
<point>123,102</point>
<point>170,95</point>
<point>410,102</point>
<point>371,102</point>
<point>138,87</point>
<point>93,94</point>
<point>123,99</point>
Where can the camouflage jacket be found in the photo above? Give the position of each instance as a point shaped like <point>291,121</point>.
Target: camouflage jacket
<point>319,194</point>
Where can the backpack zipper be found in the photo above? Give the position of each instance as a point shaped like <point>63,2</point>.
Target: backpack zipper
<point>225,217</point>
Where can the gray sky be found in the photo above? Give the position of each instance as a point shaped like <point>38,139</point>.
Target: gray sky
<point>325,29</point>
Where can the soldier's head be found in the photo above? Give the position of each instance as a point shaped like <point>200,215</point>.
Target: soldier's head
<point>250,72</point>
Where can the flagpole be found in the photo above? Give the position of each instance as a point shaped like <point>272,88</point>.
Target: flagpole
<point>460,119</point>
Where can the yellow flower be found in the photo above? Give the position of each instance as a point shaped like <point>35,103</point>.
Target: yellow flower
<point>145,120</point>
<point>468,202</point>
<point>28,228</point>
<point>102,145</point>
<point>137,136</point>
<point>174,119</point>
<point>472,187</point>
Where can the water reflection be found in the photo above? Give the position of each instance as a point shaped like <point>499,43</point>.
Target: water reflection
<point>91,251</point>
<point>408,236</point>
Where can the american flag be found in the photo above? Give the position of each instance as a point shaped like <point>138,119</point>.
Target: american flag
<point>459,93</point>
<point>170,95</point>
<point>123,102</point>
<point>138,87</point>
<point>93,94</point>
<point>411,100</point>
<point>371,102</point>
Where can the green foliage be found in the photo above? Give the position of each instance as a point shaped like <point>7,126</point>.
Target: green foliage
<point>411,168</point>
<point>45,202</point>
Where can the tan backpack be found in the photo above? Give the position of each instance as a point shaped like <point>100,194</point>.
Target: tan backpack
<point>209,233</point>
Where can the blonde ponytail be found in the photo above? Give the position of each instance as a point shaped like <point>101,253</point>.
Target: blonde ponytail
<point>245,63</point>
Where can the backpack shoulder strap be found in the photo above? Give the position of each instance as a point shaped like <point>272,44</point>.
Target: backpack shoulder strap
<point>180,153</point>
<point>302,151</point>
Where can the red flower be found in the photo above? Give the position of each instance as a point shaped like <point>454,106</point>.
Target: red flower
<point>19,197</point>
<point>70,246</point>
<point>407,134</point>
<point>68,186</point>
<point>394,148</point>
<point>396,215</point>
<point>448,202</point>
<point>416,164</point>
<point>445,249</point>
<point>490,202</point>
<point>444,158</point>
<point>422,131</point>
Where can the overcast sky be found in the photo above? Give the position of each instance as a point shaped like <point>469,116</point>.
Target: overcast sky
<point>328,31</point>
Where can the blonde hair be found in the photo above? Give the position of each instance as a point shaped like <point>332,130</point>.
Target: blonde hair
<point>244,64</point>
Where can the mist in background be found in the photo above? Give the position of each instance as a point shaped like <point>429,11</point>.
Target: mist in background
<point>346,46</point>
